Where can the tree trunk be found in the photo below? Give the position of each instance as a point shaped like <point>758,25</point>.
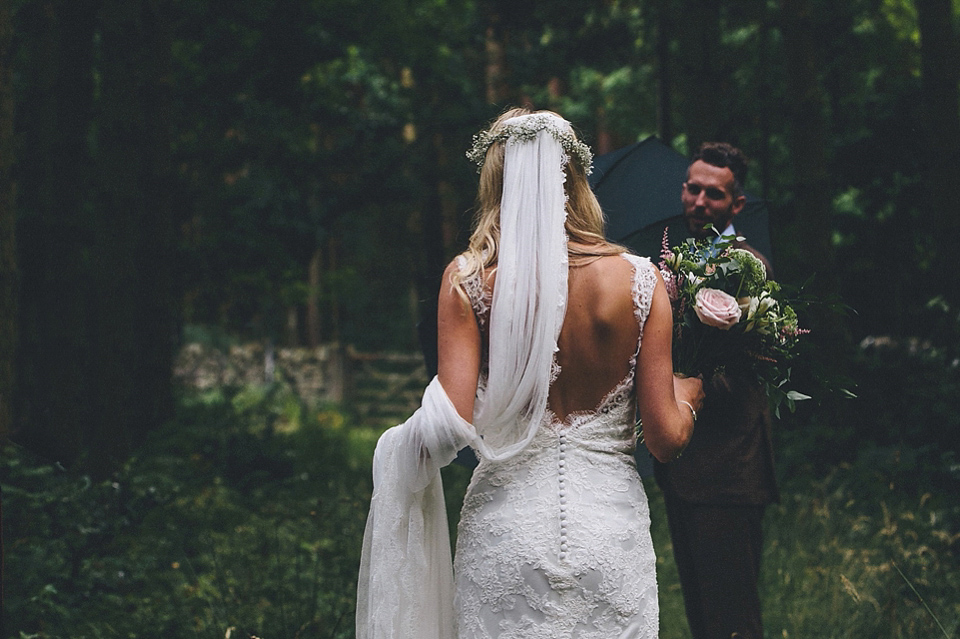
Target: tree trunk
<point>314,324</point>
<point>53,368</point>
<point>807,219</point>
<point>496,68</point>
<point>160,286</point>
<point>8,256</point>
<point>699,56</point>
<point>940,86</point>
<point>333,263</point>
<point>765,90</point>
<point>604,141</point>
<point>8,247</point>
<point>136,301</point>
<point>439,230</point>
<point>664,72</point>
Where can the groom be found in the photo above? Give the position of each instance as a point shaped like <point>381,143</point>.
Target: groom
<point>716,492</point>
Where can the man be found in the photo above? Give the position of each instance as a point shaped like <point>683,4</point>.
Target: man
<point>716,492</point>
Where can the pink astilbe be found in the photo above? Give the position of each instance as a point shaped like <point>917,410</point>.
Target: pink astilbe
<point>669,277</point>
<point>670,282</point>
<point>665,252</point>
<point>789,334</point>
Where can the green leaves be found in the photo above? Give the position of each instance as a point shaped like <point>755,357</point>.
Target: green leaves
<point>220,521</point>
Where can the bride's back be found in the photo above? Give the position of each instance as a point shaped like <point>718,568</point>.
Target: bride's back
<point>599,334</point>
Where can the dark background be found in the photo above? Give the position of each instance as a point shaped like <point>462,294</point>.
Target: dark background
<point>293,172</point>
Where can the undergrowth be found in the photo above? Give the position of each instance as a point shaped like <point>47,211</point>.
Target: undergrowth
<point>244,517</point>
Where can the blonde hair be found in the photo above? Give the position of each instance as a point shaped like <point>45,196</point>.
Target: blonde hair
<point>584,224</point>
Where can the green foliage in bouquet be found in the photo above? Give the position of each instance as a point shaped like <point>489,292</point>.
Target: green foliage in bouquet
<point>729,317</point>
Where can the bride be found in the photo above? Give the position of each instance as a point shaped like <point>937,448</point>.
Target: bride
<point>550,340</point>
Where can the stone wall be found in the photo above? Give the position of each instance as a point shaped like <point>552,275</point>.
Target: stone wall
<point>378,387</point>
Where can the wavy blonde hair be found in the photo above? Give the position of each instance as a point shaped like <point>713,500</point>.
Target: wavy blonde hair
<point>584,224</point>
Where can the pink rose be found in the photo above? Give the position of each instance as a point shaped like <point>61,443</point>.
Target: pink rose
<point>716,308</point>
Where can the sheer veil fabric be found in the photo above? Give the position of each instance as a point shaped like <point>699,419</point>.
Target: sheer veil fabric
<point>405,587</point>
<point>530,297</point>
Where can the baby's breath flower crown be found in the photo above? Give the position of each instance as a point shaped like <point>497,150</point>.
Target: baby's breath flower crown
<point>525,130</point>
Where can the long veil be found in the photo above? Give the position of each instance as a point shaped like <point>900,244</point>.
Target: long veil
<point>529,299</point>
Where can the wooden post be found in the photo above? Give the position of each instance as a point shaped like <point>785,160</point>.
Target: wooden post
<point>314,321</point>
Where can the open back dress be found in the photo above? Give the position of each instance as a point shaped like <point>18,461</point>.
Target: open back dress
<point>554,542</point>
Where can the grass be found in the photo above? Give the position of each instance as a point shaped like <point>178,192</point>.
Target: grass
<point>244,518</point>
<point>850,555</point>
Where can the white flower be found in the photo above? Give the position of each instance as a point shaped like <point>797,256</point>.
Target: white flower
<point>761,314</point>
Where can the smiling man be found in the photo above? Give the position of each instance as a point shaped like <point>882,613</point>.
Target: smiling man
<point>713,192</point>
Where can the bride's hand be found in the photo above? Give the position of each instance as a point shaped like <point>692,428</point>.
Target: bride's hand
<point>689,389</point>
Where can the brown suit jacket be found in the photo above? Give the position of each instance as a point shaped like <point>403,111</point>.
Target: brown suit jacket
<point>730,456</point>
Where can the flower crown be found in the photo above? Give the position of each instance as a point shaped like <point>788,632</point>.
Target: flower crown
<point>524,129</point>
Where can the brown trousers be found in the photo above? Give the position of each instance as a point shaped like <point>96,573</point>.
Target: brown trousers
<point>717,550</point>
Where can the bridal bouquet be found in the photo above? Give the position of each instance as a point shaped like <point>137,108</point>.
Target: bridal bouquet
<point>728,317</point>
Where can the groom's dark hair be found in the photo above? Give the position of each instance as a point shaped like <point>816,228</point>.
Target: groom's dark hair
<point>725,156</point>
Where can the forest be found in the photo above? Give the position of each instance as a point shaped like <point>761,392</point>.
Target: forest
<point>291,174</point>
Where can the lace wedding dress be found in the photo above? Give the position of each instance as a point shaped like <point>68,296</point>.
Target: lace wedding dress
<point>555,541</point>
<point>554,536</point>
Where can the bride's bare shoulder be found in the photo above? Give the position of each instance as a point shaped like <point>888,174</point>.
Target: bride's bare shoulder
<point>612,267</point>
<point>604,284</point>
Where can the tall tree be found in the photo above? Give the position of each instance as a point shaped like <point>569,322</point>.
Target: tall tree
<point>8,254</point>
<point>807,215</point>
<point>8,248</point>
<point>134,318</point>
<point>56,38</point>
<point>95,230</point>
<point>703,78</point>
<point>664,36</point>
<point>940,86</point>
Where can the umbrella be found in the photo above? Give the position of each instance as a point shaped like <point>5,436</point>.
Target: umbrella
<point>638,187</point>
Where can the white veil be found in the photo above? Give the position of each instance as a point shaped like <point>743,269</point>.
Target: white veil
<point>529,299</point>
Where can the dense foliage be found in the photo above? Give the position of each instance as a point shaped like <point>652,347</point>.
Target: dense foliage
<point>244,513</point>
<point>293,171</point>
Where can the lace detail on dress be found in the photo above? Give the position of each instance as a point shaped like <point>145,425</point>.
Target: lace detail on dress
<point>644,281</point>
<point>479,295</point>
<point>555,541</point>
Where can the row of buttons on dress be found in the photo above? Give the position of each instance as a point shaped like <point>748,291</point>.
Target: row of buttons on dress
<point>562,463</point>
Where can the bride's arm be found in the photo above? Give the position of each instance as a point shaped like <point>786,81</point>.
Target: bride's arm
<point>667,421</point>
<point>458,347</point>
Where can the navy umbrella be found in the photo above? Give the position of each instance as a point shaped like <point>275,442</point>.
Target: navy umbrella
<point>638,187</point>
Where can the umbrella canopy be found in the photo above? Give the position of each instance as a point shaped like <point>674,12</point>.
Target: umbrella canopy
<point>638,187</point>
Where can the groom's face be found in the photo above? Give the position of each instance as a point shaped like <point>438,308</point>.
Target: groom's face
<point>707,198</point>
